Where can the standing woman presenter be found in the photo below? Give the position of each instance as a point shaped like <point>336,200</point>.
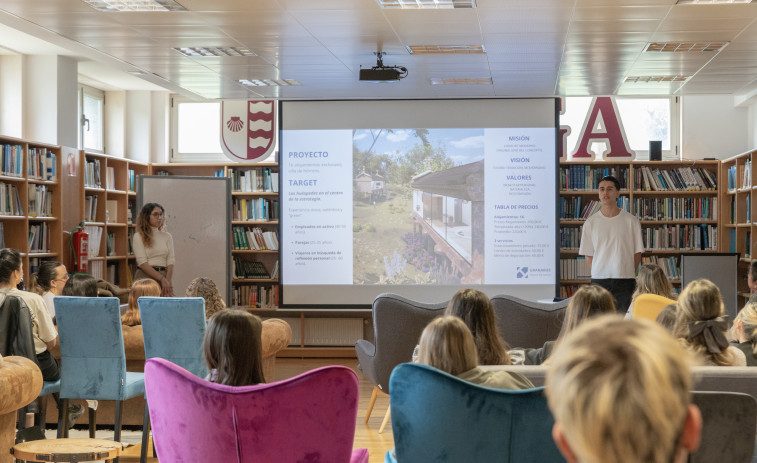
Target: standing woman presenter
<point>153,248</point>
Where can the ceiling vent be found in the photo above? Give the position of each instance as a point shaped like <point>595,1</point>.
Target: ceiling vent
<point>201,52</point>
<point>684,47</point>
<point>426,4</point>
<point>654,79</point>
<point>481,81</point>
<point>268,82</point>
<point>446,49</point>
<point>134,5</point>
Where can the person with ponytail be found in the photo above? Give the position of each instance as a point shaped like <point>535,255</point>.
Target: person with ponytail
<point>49,282</point>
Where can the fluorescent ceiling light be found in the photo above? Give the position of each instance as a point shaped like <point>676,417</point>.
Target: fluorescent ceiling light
<point>481,81</point>
<point>426,4</point>
<point>654,79</point>
<point>214,51</point>
<point>684,47</point>
<point>446,49</point>
<point>710,2</point>
<point>268,82</point>
<point>135,5</point>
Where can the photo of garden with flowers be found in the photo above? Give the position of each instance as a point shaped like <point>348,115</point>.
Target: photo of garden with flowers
<point>388,245</point>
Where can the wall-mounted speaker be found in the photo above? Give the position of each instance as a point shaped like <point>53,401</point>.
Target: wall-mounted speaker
<point>655,150</point>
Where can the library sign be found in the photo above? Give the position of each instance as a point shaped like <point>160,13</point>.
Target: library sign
<point>248,129</point>
<point>602,126</point>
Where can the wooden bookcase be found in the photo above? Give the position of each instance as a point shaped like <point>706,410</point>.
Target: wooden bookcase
<point>31,207</point>
<point>254,209</point>
<point>106,206</point>
<point>674,220</point>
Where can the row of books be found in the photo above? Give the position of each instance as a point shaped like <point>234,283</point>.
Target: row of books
<point>130,240</point>
<point>257,296</point>
<point>249,269</point>
<point>676,179</point>
<point>741,178</point>
<point>254,239</point>
<point>255,209</point>
<point>671,265</point>
<point>110,178</point>
<point>10,201</point>
<point>680,238</point>
<point>12,161</point>
<point>567,291</point>
<point>90,208</point>
<point>570,207</point>
<point>39,237</point>
<point>576,268</point>
<point>96,269</point>
<point>110,244</point>
<point>95,236</point>
<point>112,273</point>
<point>585,177</point>
<point>676,208</point>
<point>42,164</point>
<point>570,237</point>
<point>747,208</point>
<point>92,173</point>
<point>2,235</point>
<point>132,180</point>
<point>259,179</point>
<point>40,200</point>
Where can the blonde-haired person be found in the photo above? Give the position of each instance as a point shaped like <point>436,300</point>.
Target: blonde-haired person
<point>447,344</point>
<point>619,391</point>
<point>475,309</point>
<point>589,301</point>
<point>700,325</point>
<point>744,332</point>
<point>205,288</point>
<point>142,287</point>
<point>651,279</point>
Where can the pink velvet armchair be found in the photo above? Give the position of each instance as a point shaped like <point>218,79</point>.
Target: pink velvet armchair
<point>310,417</point>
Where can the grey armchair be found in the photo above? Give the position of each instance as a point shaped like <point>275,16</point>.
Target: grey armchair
<point>397,324</point>
<point>728,426</point>
<point>524,323</point>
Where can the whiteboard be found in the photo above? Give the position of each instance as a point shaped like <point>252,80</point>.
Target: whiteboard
<point>198,216</point>
<point>721,269</point>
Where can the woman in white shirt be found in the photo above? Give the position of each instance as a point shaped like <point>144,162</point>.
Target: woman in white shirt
<point>51,277</point>
<point>153,248</point>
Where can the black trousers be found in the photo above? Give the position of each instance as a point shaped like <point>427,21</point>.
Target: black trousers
<point>49,366</point>
<point>620,288</point>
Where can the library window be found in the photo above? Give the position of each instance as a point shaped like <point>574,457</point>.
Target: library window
<point>195,131</point>
<point>644,119</point>
<point>91,103</point>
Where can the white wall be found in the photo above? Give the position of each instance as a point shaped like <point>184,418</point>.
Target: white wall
<point>114,123</point>
<point>713,128</point>
<point>11,91</point>
<point>68,104</point>
<point>160,127</point>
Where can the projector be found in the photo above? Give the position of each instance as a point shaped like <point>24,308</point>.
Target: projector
<point>380,75</point>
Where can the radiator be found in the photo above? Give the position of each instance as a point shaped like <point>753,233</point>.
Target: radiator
<point>326,331</point>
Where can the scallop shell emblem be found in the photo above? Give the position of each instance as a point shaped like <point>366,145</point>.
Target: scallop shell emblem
<point>235,124</point>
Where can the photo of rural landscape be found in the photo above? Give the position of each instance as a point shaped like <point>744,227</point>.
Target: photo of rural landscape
<point>415,193</point>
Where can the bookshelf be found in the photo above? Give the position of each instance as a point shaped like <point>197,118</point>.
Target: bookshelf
<point>738,214</point>
<point>255,225</point>
<point>30,201</point>
<point>108,197</point>
<point>676,202</point>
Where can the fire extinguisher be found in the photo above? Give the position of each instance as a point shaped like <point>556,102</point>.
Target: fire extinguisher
<point>80,248</point>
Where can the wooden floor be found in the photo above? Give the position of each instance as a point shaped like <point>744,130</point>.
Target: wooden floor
<point>366,435</point>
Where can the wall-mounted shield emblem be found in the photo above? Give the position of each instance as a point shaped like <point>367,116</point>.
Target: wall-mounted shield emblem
<point>248,129</point>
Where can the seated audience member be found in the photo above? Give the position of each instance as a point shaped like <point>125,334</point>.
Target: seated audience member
<point>667,317</point>
<point>744,332</point>
<point>751,279</point>
<point>43,330</point>
<point>700,325</point>
<point>49,281</point>
<point>620,391</point>
<point>475,309</point>
<point>81,285</point>
<point>651,280</point>
<point>143,287</point>
<point>233,348</point>
<point>447,344</point>
<point>587,302</point>
<point>205,288</point>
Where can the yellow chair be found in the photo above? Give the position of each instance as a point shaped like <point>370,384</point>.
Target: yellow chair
<point>649,306</point>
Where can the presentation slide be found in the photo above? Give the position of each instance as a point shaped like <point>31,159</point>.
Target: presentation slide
<point>421,212</point>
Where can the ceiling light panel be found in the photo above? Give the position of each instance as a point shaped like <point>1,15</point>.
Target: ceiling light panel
<point>268,82</point>
<point>446,49</point>
<point>134,5</point>
<point>214,51</point>
<point>653,79</point>
<point>481,81</point>
<point>426,4</point>
<point>684,47</point>
<point>710,2</point>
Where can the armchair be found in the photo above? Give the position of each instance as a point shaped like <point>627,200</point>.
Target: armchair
<point>524,323</point>
<point>20,383</point>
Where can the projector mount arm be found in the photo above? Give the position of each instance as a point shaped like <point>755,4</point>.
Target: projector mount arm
<point>380,65</point>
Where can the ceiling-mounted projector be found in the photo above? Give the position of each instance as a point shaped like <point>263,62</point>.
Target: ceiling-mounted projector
<point>382,74</point>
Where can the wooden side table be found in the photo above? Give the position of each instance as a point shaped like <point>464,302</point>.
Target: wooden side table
<point>68,450</point>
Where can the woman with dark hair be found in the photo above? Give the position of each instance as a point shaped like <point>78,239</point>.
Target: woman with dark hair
<point>153,248</point>
<point>82,285</point>
<point>49,281</point>
<point>233,348</point>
